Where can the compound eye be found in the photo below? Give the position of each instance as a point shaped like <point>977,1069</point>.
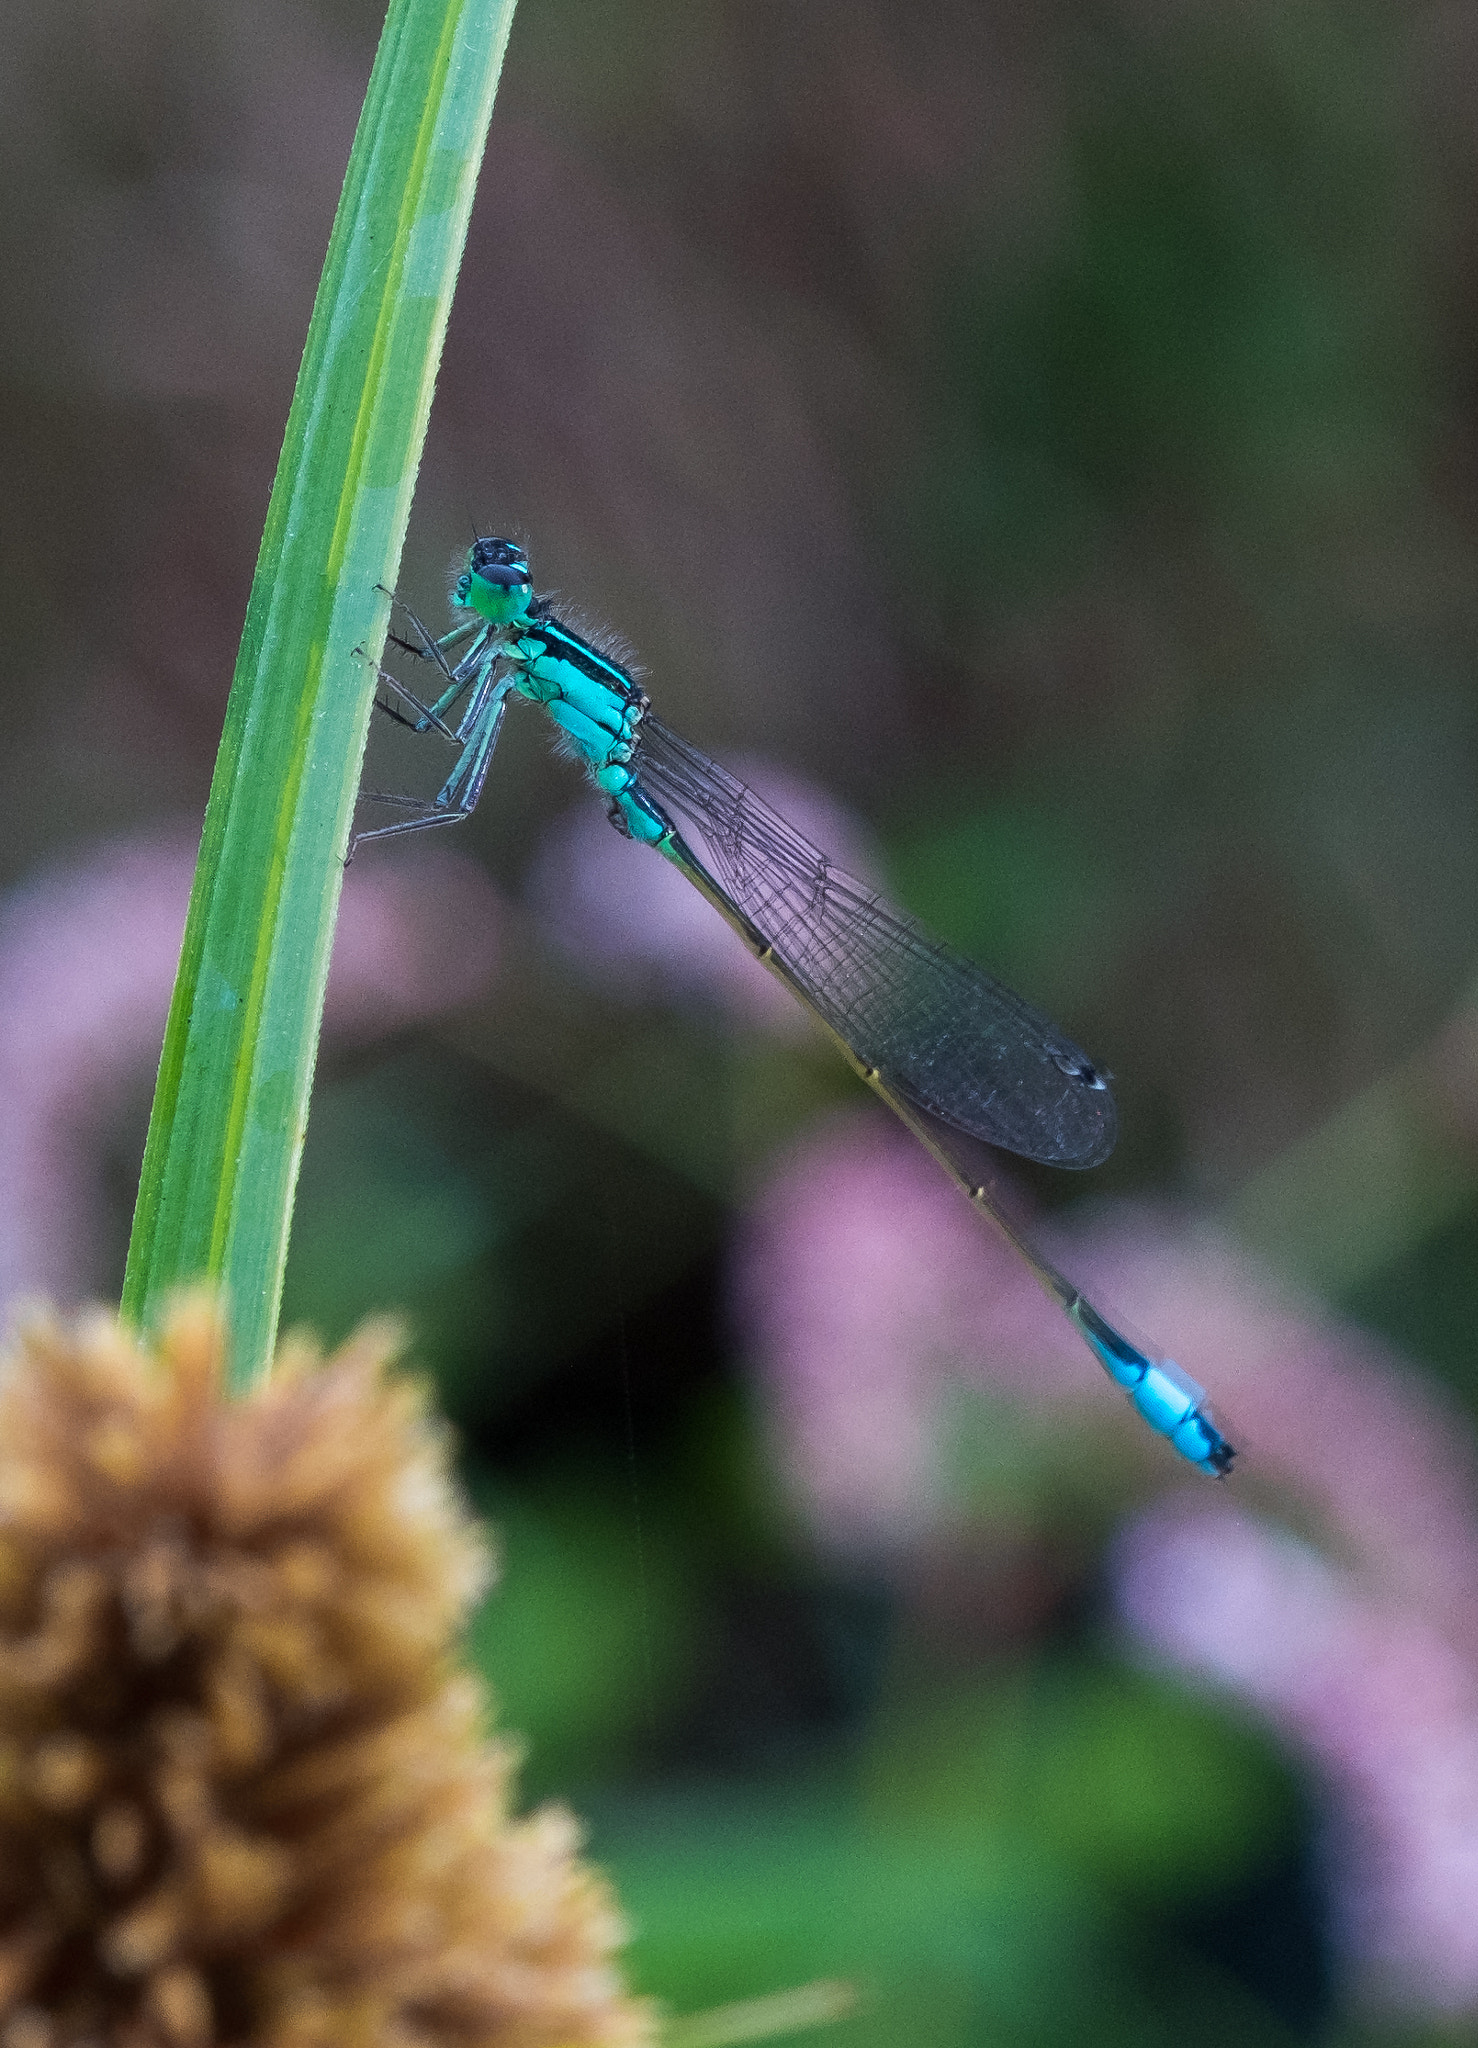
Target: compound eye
<point>493,553</point>
<point>504,578</point>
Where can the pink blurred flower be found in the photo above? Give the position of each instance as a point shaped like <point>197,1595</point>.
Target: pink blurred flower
<point>628,916</point>
<point>866,1287</point>
<point>87,961</point>
<point>1377,1697</point>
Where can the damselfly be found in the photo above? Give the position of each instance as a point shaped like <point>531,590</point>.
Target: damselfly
<point>960,1059</point>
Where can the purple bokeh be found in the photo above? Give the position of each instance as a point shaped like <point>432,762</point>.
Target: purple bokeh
<point>630,919</point>
<point>88,951</point>
<point>1379,1699</point>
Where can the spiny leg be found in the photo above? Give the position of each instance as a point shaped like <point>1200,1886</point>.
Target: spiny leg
<point>389,711</point>
<point>426,820</point>
<point>426,717</point>
<point>457,798</point>
<point>430,648</point>
<point>474,664</point>
<point>475,668</point>
<point>434,651</point>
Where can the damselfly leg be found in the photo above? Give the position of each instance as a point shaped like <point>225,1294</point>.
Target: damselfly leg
<point>475,734</point>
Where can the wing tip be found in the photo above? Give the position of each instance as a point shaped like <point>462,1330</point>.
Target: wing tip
<point>1100,1141</point>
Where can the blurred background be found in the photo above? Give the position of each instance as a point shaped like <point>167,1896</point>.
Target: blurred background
<point>1037,446</point>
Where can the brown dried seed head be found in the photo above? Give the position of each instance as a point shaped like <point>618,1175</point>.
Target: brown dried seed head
<point>243,1794</point>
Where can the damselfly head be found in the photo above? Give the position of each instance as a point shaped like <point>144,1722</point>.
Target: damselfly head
<point>496,582</point>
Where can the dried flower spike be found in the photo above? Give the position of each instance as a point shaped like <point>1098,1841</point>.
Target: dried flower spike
<point>243,1794</point>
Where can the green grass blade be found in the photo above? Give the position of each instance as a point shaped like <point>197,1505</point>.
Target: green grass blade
<point>215,1197</point>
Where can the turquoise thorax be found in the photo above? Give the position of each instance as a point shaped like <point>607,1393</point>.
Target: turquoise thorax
<point>598,713</point>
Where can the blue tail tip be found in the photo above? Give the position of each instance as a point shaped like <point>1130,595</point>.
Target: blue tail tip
<point>1199,1440</point>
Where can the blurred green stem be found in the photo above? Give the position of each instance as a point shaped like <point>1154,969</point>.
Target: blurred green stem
<point>225,1138</point>
<point>1392,1165</point>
